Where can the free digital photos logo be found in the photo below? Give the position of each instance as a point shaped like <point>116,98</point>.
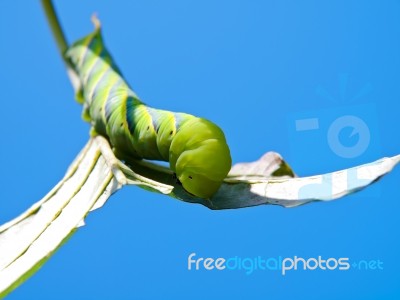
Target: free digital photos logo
<point>284,265</point>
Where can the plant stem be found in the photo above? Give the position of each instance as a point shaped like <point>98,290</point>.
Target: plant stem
<point>61,41</point>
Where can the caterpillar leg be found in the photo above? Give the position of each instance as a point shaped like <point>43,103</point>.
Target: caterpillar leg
<point>85,113</point>
<point>112,161</point>
<point>79,96</point>
<point>93,133</point>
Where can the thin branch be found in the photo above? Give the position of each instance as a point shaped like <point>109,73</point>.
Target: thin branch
<point>61,41</point>
<point>55,25</point>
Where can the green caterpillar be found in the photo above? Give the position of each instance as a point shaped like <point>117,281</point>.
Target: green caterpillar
<point>195,147</point>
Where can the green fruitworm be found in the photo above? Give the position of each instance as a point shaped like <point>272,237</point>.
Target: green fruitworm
<point>195,148</point>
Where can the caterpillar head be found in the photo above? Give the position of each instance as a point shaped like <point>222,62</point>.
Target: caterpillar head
<point>200,157</point>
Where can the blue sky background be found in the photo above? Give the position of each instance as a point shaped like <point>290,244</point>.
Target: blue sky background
<point>253,67</point>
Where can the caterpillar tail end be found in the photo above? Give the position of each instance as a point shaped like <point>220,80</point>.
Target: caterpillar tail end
<point>96,22</point>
